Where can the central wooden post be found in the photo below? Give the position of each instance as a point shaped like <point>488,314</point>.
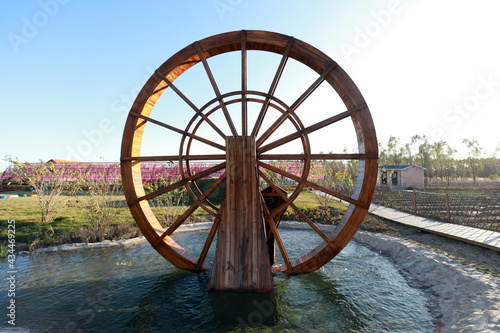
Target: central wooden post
<point>241,258</point>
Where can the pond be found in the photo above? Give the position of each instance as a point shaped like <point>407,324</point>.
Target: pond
<point>133,289</point>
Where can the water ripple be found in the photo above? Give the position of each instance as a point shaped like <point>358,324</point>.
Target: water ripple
<point>135,290</point>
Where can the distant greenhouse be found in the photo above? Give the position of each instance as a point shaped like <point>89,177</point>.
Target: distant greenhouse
<point>150,172</point>
<point>71,171</point>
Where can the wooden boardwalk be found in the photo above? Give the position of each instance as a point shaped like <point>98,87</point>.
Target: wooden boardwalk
<point>485,238</point>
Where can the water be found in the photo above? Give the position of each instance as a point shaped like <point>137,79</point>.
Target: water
<point>135,290</point>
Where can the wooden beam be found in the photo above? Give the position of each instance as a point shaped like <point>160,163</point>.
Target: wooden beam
<point>310,129</point>
<point>295,105</point>
<point>316,157</point>
<point>244,85</point>
<point>241,259</point>
<point>177,130</point>
<point>167,158</point>
<point>216,89</point>
<point>272,89</point>
<point>188,102</point>
<point>179,183</point>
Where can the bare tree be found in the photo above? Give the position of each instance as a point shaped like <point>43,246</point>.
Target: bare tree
<point>394,150</point>
<point>169,206</point>
<point>438,158</point>
<point>496,153</point>
<point>474,155</point>
<point>102,203</point>
<point>442,154</point>
<point>334,175</point>
<point>53,184</point>
<point>424,151</point>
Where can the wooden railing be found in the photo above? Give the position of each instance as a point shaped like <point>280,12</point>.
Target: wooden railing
<point>474,211</point>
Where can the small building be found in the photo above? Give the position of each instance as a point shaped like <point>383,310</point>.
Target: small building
<point>401,176</point>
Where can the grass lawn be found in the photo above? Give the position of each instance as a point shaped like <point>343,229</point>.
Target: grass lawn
<point>26,212</point>
<point>72,219</point>
<point>309,204</point>
<point>307,200</point>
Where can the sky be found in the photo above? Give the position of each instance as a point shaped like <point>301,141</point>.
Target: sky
<point>71,69</point>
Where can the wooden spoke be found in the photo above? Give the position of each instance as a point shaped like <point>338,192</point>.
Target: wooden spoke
<point>311,184</point>
<point>181,95</point>
<point>314,227</point>
<point>336,194</point>
<point>159,192</point>
<point>244,83</point>
<point>179,183</point>
<point>295,105</point>
<point>244,259</point>
<point>174,158</point>
<point>270,219</point>
<point>310,129</point>
<point>216,89</point>
<point>281,208</point>
<point>313,87</point>
<point>277,237</point>
<point>281,194</point>
<point>191,209</point>
<point>204,196</point>
<point>316,157</point>
<point>208,242</point>
<point>175,129</point>
<point>281,172</point>
<point>272,89</point>
<point>177,223</point>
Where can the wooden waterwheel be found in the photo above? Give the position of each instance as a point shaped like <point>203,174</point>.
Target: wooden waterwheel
<point>244,155</point>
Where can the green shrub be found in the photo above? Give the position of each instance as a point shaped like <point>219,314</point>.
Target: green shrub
<point>4,250</point>
<point>328,215</point>
<point>203,184</point>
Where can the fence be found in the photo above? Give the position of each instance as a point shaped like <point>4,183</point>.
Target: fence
<point>466,184</point>
<point>479,212</point>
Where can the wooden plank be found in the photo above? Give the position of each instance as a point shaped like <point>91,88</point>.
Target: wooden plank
<point>448,207</point>
<point>175,129</point>
<point>191,209</point>
<point>314,185</point>
<point>223,43</point>
<point>242,261</point>
<point>277,237</point>
<point>216,89</point>
<point>315,228</point>
<point>316,157</point>
<point>484,238</point>
<point>244,82</point>
<point>308,130</point>
<point>208,243</point>
<point>295,105</point>
<point>178,184</point>
<point>181,95</point>
<point>272,89</point>
<point>174,158</point>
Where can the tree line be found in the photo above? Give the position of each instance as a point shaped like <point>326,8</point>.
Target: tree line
<point>440,159</point>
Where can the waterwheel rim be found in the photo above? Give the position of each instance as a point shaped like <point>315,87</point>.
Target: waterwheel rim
<point>243,41</point>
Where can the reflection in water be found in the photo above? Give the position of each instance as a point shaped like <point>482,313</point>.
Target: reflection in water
<point>179,300</point>
<point>243,309</point>
<point>135,290</point>
<point>332,308</point>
